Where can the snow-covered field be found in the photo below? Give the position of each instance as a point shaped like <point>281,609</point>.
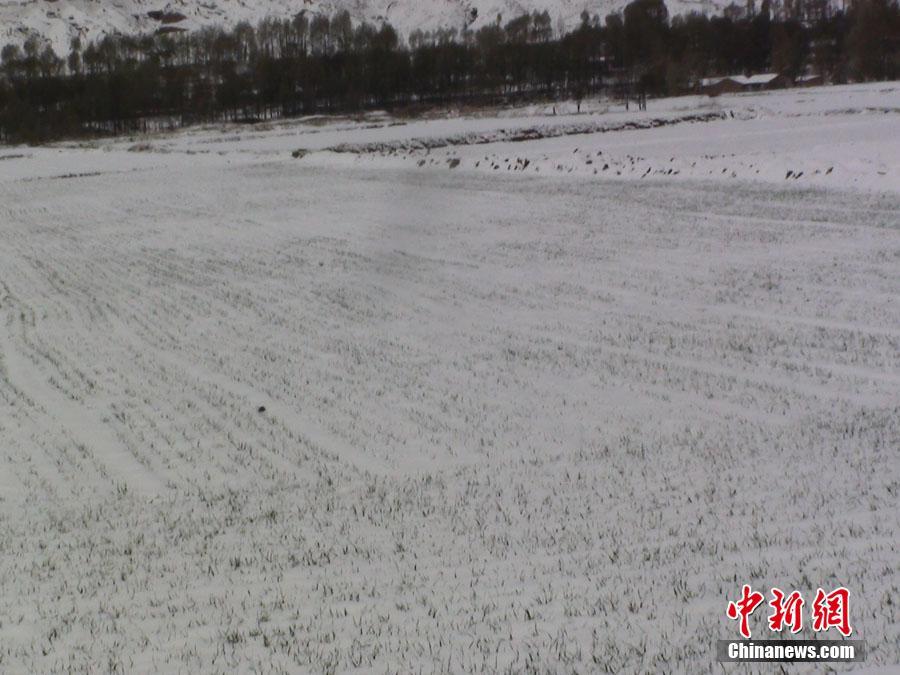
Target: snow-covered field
<point>440,410</point>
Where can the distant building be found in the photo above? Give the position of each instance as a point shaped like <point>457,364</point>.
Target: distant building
<point>714,86</point>
<point>733,84</point>
<point>764,81</point>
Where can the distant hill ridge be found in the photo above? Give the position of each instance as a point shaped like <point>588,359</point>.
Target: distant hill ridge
<point>58,21</point>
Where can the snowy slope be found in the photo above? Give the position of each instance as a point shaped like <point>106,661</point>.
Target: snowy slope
<point>58,22</point>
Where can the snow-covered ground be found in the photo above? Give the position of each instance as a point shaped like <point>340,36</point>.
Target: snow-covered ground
<point>389,412</point>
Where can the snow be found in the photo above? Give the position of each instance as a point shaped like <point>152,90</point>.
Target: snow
<point>513,418</point>
<point>758,79</point>
<point>60,21</point>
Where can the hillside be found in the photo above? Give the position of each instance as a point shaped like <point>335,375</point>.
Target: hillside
<point>59,21</point>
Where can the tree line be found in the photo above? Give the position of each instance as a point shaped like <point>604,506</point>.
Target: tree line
<point>324,64</point>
